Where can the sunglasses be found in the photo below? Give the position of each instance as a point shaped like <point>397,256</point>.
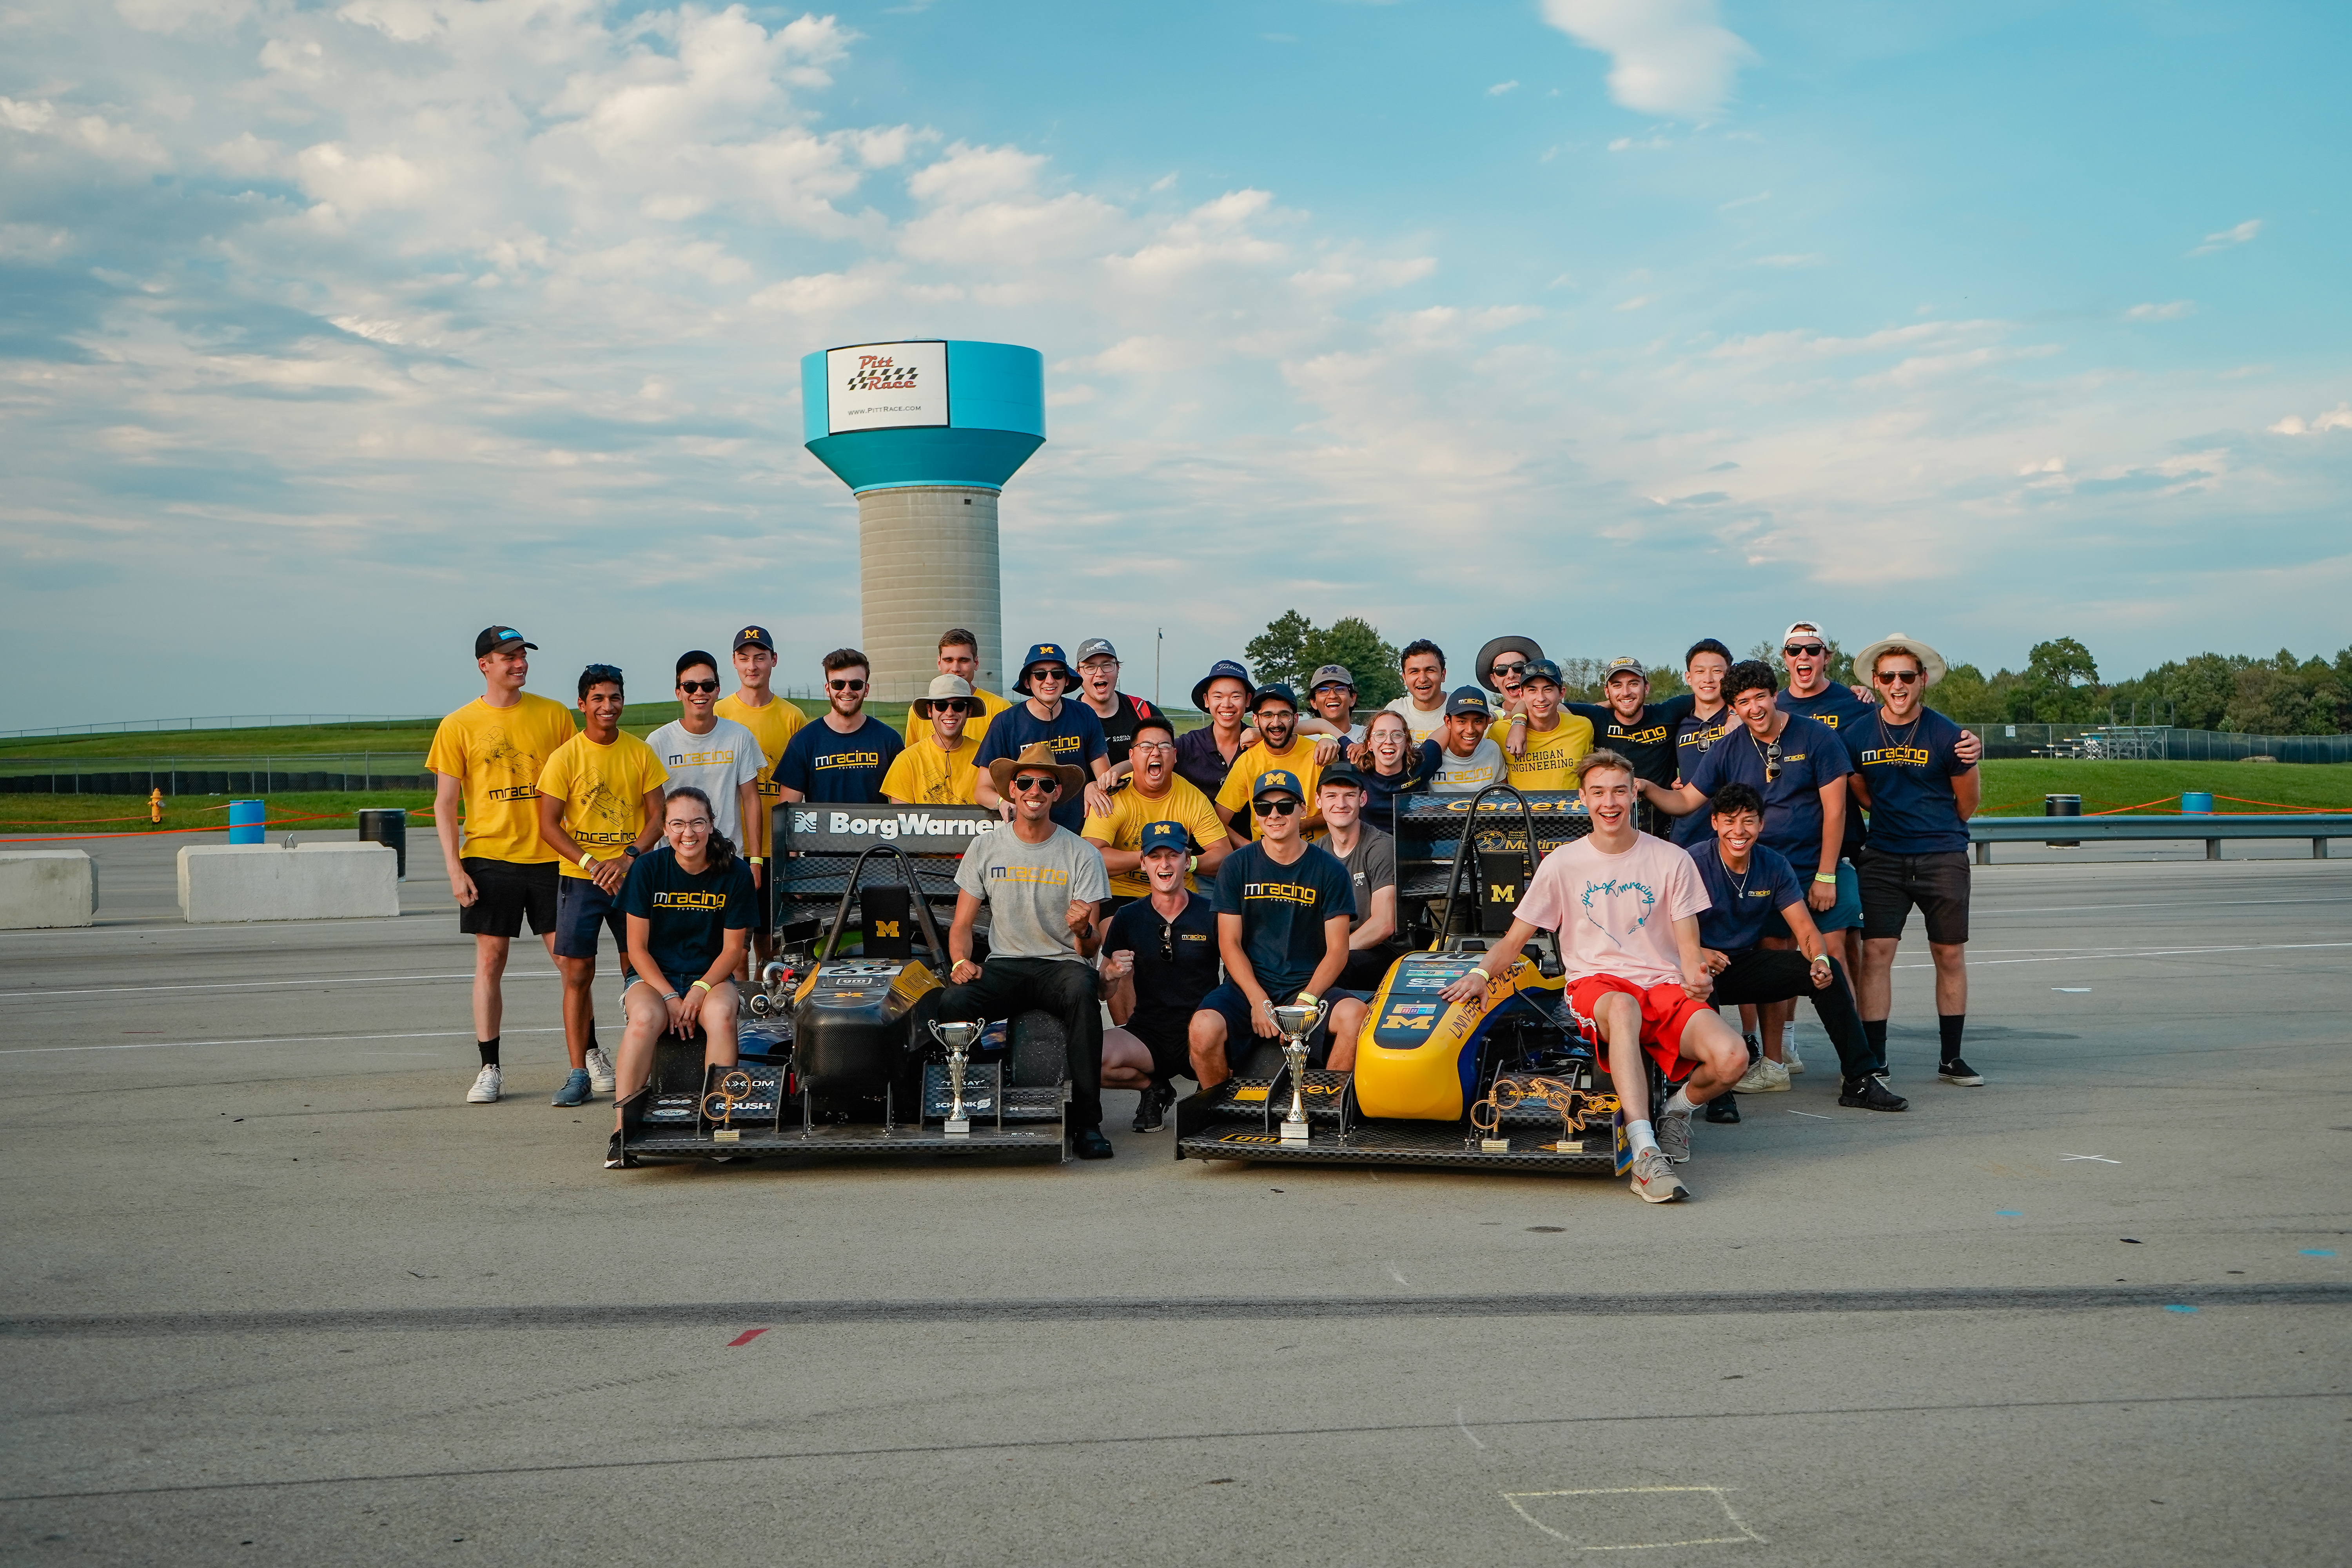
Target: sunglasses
<point>1897,677</point>
<point>1772,761</point>
<point>1050,672</point>
<point>1518,668</point>
<point>1804,649</point>
<point>1274,807</point>
<point>691,687</point>
<point>952,705</point>
<point>1030,784</point>
<point>845,685</point>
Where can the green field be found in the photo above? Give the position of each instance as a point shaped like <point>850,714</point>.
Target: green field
<point>94,814</point>
<point>2015,788</point>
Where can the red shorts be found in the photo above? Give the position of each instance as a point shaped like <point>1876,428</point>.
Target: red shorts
<point>1666,1009</point>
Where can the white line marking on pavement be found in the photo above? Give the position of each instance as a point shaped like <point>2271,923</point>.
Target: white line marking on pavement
<point>2186,904</point>
<point>268,1041</point>
<point>1745,1533</point>
<point>2145,952</point>
<point>257,985</point>
<point>1815,1115</point>
<point>1465,1428</point>
<point>2102,1159</point>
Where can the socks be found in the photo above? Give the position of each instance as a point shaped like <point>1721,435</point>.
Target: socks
<point>1949,1024</point>
<point>591,1035</point>
<point>1874,1031</point>
<point>489,1049</point>
<point>1642,1136</point>
<point>1680,1105</point>
<point>1755,1049</point>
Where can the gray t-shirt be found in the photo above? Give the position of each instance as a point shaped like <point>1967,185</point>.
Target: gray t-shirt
<point>719,764</point>
<point>1450,774</point>
<point>1371,865</point>
<point>1029,889</point>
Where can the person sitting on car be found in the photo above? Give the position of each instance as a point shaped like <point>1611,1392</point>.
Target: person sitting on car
<point>1044,887</point>
<point>1160,958</point>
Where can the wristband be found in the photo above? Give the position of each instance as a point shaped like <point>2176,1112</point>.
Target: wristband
<point>699,985</point>
<point>585,856</point>
<point>758,859</point>
<point>1482,972</point>
<point>1825,876</point>
<point>1820,959</point>
<point>1309,997</point>
<point>670,995</point>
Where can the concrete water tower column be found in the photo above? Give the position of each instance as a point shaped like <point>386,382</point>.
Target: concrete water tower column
<point>925,433</point>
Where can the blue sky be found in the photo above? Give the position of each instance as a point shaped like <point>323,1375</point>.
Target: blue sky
<point>329,333</point>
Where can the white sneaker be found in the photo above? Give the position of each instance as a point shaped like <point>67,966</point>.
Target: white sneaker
<point>486,1087</point>
<point>1655,1181</point>
<point>600,1070</point>
<point>1789,1058</point>
<point>1764,1076</point>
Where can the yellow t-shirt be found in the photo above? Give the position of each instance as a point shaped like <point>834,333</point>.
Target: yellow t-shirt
<point>922,775</point>
<point>496,754</point>
<point>1132,811</point>
<point>1255,760</point>
<point>773,726</point>
<point>604,793</point>
<point>975,725</point>
<point>1549,761</point>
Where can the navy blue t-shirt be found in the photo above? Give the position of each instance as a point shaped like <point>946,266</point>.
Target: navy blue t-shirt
<point>1810,756</point>
<point>1841,710</point>
<point>1381,792</point>
<point>837,769</point>
<point>1073,735</point>
<point>1908,770</point>
<point>1283,909</point>
<point>1694,737</point>
<point>689,913</point>
<point>1648,742</point>
<point>1746,908</point>
<point>1175,960</point>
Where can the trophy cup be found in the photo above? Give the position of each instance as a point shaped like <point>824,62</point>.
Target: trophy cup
<point>1296,1020</point>
<point>719,1106</point>
<point>958,1037</point>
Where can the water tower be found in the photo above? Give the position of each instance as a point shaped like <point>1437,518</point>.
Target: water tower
<point>925,433</point>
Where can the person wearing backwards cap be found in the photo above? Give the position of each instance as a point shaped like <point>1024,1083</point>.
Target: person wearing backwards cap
<point>935,768</point>
<point>1119,713</point>
<point>1045,888</point>
<point>1160,958</point>
<point>487,755</point>
<point>1279,744</point>
<point>1459,759</point>
<point>1283,909</point>
<point>960,657</point>
<point>773,722</point>
<point>1204,757</point>
<point>1069,730</point>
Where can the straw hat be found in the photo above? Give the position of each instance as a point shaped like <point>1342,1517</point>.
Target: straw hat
<point>1035,758</point>
<point>1931,663</point>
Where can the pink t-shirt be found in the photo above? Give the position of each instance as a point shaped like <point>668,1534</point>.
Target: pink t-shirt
<point>1615,914</point>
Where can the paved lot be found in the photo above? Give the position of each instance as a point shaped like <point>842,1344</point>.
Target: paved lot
<point>275,1296</point>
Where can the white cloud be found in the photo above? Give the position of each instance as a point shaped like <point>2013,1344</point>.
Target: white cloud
<point>91,132</point>
<point>2171,311</point>
<point>1500,88</point>
<point>179,15</point>
<point>1666,57</point>
<point>2337,418</point>
<point>2225,239</point>
<point>330,174</point>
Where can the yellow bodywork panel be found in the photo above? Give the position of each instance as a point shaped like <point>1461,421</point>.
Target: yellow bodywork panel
<point>1418,1055</point>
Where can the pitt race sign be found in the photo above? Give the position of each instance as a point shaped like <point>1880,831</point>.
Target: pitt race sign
<point>885,386</point>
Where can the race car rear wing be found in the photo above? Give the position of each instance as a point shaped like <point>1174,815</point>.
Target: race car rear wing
<point>817,844</point>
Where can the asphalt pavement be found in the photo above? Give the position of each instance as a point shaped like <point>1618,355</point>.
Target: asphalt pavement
<point>276,1295</point>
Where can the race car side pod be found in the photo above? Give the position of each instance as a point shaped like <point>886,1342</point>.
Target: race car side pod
<point>1462,846</point>
<point>914,895</point>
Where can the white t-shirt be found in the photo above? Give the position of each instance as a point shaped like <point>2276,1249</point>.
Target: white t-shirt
<point>719,764</point>
<point>1450,774</point>
<point>1422,721</point>
<point>1615,914</point>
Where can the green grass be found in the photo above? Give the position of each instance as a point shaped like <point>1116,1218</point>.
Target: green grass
<point>2015,787</point>
<point>103,814</point>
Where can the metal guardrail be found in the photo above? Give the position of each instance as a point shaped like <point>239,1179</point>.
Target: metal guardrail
<point>1984,832</point>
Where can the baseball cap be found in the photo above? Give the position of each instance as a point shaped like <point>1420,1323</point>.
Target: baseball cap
<point>1224,669</point>
<point>1468,699</point>
<point>1796,626</point>
<point>1095,648</point>
<point>1042,652</point>
<point>1165,836</point>
<point>1342,774</point>
<point>1331,675</point>
<point>754,637</point>
<point>493,637</point>
<point>1621,664</point>
<point>1543,670</point>
<point>1276,781</point>
<point>1277,693</point>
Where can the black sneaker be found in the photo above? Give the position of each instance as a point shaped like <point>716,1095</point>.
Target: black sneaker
<point>616,1159</point>
<point>1088,1143</point>
<point>1870,1093</point>
<point>1959,1072</point>
<point>1723,1109</point>
<point>1151,1108</point>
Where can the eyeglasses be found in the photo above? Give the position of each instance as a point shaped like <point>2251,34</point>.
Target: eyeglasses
<point>952,705</point>
<point>689,824</point>
<point>691,687</point>
<point>1277,807</point>
<point>1152,746</point>
<point>1030,784</point>
<point>845,685</point>
<point>1100,664</point>
<point>1897,677</point>
<point>1804,649</point>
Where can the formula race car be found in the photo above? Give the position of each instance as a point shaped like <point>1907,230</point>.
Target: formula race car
<point>1503,1081</point>
<point>852,1060</point>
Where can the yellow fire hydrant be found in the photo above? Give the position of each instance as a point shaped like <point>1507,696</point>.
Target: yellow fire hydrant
<point>155,805</point>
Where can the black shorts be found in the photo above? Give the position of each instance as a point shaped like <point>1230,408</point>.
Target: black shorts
<point>1892,884</point>
<point>581,908</point>
<point>507,890</point>
<point>1169,1041</point>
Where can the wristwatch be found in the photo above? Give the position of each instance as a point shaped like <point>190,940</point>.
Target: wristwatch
<point>631,850</point>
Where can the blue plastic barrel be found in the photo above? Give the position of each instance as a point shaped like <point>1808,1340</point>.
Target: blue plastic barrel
<point>2196,802</point>
<point>245,821</point>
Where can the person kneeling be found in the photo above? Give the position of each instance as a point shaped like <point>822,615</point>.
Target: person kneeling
<point>1044,887</point>
<point>1750,885</point>
<point>1160,958</point>
<point>690,906</point>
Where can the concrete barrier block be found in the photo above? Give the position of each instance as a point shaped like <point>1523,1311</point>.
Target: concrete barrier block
<point>42,888</point>
<point>226,883</point>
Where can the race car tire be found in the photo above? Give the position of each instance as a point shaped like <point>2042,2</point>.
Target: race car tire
<point>1040,1055</point>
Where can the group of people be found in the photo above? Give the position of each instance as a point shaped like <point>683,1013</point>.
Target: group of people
<point>1183,884</point>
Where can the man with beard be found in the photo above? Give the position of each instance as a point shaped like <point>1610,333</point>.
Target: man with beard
<point>1280,747</point>
<point>841,759</point>
<point>1154,794</point>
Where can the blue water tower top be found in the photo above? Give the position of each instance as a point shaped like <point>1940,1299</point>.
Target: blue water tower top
<point>926,412</point>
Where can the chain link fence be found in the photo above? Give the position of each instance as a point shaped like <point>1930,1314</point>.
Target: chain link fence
<point>2155,743</point>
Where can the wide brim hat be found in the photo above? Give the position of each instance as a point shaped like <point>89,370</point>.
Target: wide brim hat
<point>942,686</point>
<point>1224,669</point>
<point>1497,648</point>
<point>1034,756</point>
<point>1043,653</point>
<point>1931,663</point>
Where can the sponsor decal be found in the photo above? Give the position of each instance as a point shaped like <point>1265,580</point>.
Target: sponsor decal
<point>1649,737</point>
<point>847,760</point>
<point>1032,876</point>
<point>1899,756</point>
<point>879,386</point>
<point>689,900</point>
<point>901,825</point>
<point>1283,893</point>
<point>518,792</point>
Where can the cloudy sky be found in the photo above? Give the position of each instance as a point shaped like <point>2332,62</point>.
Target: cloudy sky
<point>329,334</point>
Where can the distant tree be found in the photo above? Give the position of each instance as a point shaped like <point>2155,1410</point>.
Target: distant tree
<point>2063,661</point>
<point>1277,655</point>
<point>1293,648</point>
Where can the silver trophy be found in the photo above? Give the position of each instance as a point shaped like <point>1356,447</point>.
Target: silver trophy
<point>958,1037</point>
<point>1296,1020</point>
